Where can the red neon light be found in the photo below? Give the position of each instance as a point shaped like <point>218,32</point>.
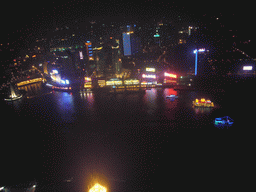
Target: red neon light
<point>170,75</point>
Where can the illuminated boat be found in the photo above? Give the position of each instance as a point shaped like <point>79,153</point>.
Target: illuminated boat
<point>223,121</point>
<point>172,96</point>
<point>202,103</point>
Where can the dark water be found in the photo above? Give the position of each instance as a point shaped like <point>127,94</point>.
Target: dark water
<point>129,142</point>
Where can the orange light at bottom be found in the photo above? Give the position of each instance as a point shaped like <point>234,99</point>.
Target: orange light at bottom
<point>98,188</point>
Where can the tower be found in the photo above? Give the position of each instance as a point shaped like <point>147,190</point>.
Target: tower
<point>130,43</point>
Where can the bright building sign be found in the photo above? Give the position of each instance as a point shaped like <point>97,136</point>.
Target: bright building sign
<point>150,69</point>
<point>247,68</point>
<point>149,76</point>
<point>170,75</point>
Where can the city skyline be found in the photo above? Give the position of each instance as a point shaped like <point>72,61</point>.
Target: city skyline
<point>98,91</point>
<point>217,31</point>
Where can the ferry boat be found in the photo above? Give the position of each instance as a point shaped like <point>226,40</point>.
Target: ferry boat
<point>202,103</point>
<point>223,121</point>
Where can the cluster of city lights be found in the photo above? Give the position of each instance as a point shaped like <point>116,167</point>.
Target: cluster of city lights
<point>56,77</point>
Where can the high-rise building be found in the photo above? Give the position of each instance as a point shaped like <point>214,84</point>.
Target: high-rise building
<point>130,43</point>
<point>108,58</point>
<point>89,50</point>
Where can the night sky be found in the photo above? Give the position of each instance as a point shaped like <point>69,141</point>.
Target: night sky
<point>223,27</point>
<point>26,19</point>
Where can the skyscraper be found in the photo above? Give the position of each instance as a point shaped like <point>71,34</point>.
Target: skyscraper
<point>130,43</point>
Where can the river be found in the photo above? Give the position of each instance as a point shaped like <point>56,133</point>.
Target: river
<point>127,141</point>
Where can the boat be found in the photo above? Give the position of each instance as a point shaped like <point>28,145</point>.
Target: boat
<point>172,96</point>
<point>202,103</point>
<point>223,122</point>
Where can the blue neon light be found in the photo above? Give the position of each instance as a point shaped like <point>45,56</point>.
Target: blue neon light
<point>196,64</point>
<point>196,52</point>
<point>223,122</point>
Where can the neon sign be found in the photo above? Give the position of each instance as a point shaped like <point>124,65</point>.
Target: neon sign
<point>199,50</point>
<point>150,69</point>
<point>170,75</point>
<point>81,55</point>
<point>247,68</point>
<point>149,76</point>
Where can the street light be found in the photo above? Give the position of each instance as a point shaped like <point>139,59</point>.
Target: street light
<point>196,52</point>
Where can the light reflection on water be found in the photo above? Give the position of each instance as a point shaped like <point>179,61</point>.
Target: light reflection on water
<point>150,101</point>
<point>114,134</point>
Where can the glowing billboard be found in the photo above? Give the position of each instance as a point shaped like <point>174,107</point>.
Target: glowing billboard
<point>150,69</point>
<point>170,75</point>
<point>247,68</point>
<point>199,50</point>
<point>149,76</point>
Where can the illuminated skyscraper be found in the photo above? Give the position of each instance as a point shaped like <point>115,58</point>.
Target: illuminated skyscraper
<point>131,43</point>
<point>89,50</point>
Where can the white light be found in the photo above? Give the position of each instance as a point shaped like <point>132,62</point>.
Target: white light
<point>81,55</point>
<point>148,76</point>
<point>1,188</point>
<point>247,68</point>
<point>67,81</point>
<point>62,81</point>
<point>151,69</point>
<point>199,50</point>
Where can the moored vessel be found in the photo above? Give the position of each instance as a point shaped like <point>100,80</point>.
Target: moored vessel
<point>202,103</point>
